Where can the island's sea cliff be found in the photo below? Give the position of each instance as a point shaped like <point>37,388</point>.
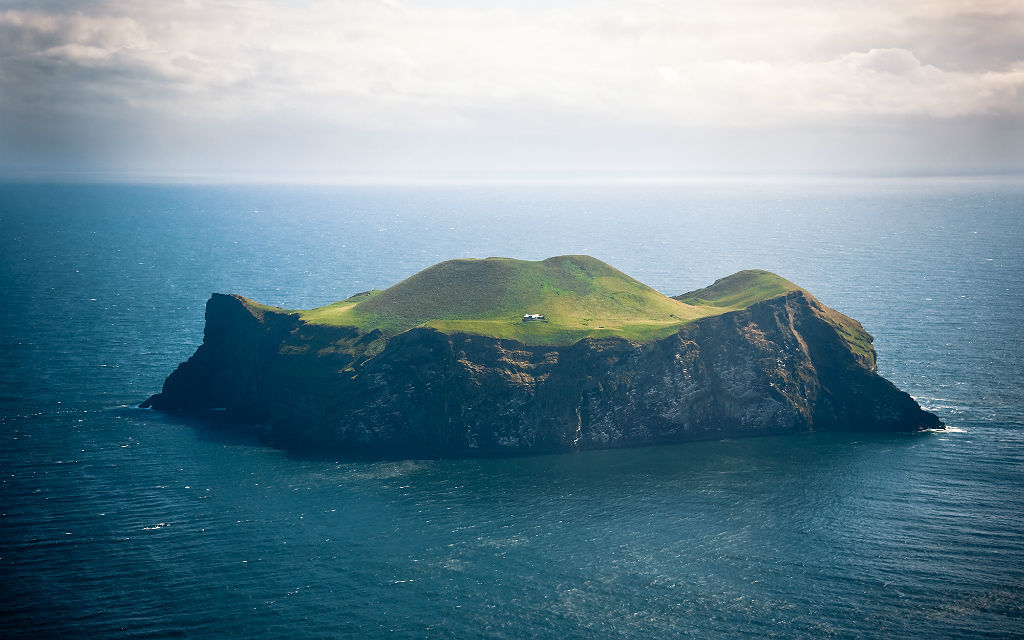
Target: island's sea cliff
<point>782,365</point>
<point>118,522</point>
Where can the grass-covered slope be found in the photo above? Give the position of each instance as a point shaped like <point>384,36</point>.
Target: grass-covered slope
<point>579,296</point>
<point>739,291</point>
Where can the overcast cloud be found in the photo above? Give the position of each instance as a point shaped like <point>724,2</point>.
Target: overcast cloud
<point>491,89</point>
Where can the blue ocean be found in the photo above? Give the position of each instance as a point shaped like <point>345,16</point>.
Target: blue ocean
<point>119,522</point>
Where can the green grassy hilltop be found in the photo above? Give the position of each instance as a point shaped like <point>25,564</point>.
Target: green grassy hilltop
<point>739,291</point>
<point>579,296</point>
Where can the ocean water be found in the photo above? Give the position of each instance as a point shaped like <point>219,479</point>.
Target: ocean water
<point>122,523</point>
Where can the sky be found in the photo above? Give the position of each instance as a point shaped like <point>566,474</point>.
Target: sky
<point>433,89</point>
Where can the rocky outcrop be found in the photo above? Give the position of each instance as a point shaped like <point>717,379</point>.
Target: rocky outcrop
<point>788,364</point>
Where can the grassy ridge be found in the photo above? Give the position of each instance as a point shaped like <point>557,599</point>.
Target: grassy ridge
<point>579,296</point>
<point>739,291</point>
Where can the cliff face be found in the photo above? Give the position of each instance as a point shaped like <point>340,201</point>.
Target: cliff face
<point>784,365</point>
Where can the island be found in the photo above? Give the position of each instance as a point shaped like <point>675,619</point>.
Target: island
<point>497,356</point>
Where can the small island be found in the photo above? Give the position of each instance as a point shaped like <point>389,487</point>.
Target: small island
<point>500,356</point>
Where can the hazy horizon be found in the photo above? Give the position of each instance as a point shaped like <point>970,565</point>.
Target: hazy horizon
<point>423,91</point>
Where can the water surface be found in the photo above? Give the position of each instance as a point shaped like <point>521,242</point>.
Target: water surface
<point>118,522</point>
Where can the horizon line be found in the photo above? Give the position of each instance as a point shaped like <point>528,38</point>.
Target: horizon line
<point>79,177</point>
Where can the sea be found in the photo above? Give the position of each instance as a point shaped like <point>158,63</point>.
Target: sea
<point>119,522</point>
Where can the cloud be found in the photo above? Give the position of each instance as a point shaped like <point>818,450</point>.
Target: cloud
<point>400,67</point>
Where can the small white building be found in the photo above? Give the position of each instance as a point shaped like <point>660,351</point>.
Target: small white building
<point>530,317</point>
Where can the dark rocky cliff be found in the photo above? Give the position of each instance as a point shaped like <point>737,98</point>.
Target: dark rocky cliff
<point>784,365</point>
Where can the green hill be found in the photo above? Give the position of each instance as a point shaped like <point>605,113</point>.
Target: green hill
<point>579,297</point>
<point>740,290</point>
